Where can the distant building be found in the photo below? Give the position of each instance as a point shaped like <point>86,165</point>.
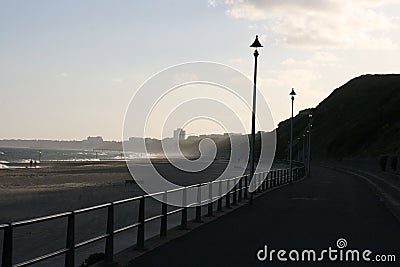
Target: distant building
<point>179,134</point>
<point>232,134</point>
<point>135,140</point>
<point>193,138</point>
<point>94,140</point>
<point>150,140</point>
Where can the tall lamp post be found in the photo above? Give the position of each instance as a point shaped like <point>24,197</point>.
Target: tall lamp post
<point>309,144</point>
<point>292,94</point>
<point>256,44</point>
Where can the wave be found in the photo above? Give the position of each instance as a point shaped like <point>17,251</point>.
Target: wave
<point>3,166</point>
<point>4,162</point>
<point>72,160</point>
<point>25,161</point>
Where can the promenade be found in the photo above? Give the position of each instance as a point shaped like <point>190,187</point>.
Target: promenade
<point>311,214</point>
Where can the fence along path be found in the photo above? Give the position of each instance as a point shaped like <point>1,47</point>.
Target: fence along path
<point>238,193</point>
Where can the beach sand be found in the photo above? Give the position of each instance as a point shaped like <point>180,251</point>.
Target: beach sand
<point>64,186</point>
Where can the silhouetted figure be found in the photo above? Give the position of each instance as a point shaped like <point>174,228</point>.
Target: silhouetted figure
<point>34,163</point>
<point>31,163</point>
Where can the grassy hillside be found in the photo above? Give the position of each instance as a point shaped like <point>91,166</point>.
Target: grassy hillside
<point>360,118</point>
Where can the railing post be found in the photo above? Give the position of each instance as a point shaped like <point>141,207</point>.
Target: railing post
<point>70,254</point>
<point>245,187</point>
<point>109,250</point>
<point>164,218</point>
<point>198,207</point>
<point>7,246</point>
<point>184,210</point>
<point>285,176</point>
<point>140,233</point>
<point>240,189</point>
<point>279,177</point>
<point>271,174</point>
<point>254,179</point>
<point>266,181</point>
<point>227,197</point>
<point>271,179</point>
<point>219,196</point>
<point>263,185</point>
<point>234,203</point>
<point>210,201</point>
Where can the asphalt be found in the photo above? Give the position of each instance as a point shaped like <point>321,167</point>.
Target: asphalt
<point>311,214</point>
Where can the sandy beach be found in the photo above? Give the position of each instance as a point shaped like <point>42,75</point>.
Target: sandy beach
<point>57,187</point>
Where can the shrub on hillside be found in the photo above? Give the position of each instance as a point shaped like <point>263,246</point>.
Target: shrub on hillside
<point>383,162</point>
<point>393,163</point>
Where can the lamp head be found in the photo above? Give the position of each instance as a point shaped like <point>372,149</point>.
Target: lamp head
<point>256,44</point>
<point>292,93</point>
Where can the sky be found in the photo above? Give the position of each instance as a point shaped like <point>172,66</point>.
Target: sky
<point>68,69</point>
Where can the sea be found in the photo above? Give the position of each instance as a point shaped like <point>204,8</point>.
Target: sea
<point>10,156</point>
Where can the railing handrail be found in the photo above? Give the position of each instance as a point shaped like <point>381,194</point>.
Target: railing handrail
<point>40,219</point>
<point>277,177</point>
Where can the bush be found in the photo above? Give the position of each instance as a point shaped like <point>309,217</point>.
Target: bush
<point>382,162</point>
<point>92,259</point>
<point>393,163</point>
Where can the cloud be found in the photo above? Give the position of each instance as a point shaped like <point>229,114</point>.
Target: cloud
<point>318,59</point>
<point>297,78</point>
<point>63,74</point>
<point>236,60</point>
<point>321,24</point>
<point>212,3</point>
<point>118,80</point>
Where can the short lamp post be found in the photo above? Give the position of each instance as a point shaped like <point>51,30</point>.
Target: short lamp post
<point>292,94</point>
<point>298,149</point>
<point>309,144</point>
<point>304,149</point>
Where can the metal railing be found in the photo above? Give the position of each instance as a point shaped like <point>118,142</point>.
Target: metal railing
<point>238,193</point>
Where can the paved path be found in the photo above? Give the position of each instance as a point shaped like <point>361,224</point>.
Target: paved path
<point>311,214</point>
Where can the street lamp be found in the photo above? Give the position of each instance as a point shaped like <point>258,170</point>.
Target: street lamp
<point>304,149</point>
<point>298,149</point>
<point>256,44</point>
<point>309,144</point>
<point>292,94</point>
